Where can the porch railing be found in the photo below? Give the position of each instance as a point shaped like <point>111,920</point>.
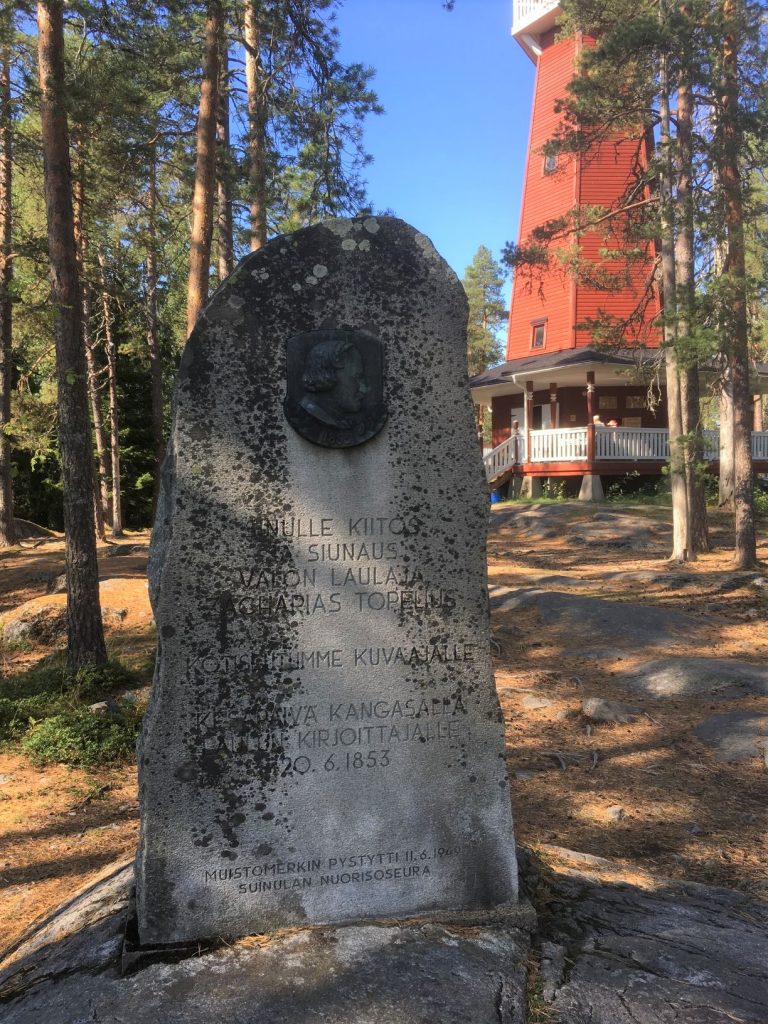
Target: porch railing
<point>565,445</point>
<point>651,443</point>
<point>527,10</point>
<point>618,444</point>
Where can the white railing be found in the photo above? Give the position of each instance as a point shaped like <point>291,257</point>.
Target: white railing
<point>504,456</point>
<point>627,444</point>
<point>527,10</point>
<point>562,445</point>
<point>711,450</point>
<point>634,443</point>
<point>760,445</point>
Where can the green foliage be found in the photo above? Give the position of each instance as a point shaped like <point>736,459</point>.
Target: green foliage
<point>761,503</point>
<point>554,490</point>
<point>483,283</point>
<point>132,92</point>
<point>47,691</point>
<point>84,739</point>
<point>643,490</point>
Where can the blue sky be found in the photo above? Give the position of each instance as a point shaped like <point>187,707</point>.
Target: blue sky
<point>449,153</point>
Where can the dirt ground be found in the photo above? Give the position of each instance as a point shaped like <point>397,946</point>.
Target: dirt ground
<point>683,813</point>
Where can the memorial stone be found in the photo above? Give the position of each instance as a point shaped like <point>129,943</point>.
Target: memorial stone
<point>323,742</point>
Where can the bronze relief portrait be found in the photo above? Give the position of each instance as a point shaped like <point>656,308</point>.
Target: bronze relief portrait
<point>335,387</point>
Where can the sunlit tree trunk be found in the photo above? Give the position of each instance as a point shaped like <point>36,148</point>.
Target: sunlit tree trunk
<point>725,486</point>
<point>257,125</point>
<point>153,331</point>
<point>685,296</point>
<point>101,495</point>
<point>758,420</point>
<point>738,356</point>
<point>205,170</point>
<point>85,634</point>
<point>7,523</point>
<point>114,425</point>
<point>224,231</point>
<point>681,545</point>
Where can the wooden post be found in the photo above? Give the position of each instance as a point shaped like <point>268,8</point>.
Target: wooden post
<point>516,442</point>
<point>590,419</point>
<point>590,395</point>
<point>553,406</point>
<point>528,418</point>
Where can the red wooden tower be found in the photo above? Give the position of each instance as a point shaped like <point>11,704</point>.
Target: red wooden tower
<point>546,317</point>
<point>563,407</point>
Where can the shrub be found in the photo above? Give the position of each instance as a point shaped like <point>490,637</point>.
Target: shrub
<point>47,690</point>
<point>84,739</point>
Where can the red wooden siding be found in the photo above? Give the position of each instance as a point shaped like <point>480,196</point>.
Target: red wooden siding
<point>599,181</point>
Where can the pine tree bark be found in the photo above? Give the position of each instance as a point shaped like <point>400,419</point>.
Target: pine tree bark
<point>681,543</point>
<point>758,418</point>
<point>7,522</point>
<point>85,634</point>
<point>684,299</point>
<point>257,125</point>
<point>224,228</point>
<point>114,425</point>
<point>205,170</point>
<point>101,498</point>
<point>725,486</point>
<point>153,332</point>
<point>731,145</point>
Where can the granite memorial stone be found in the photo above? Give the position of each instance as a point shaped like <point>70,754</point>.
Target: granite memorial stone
<point>323,742</point>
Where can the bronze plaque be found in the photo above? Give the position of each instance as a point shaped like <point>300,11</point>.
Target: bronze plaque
<point>335,387</point>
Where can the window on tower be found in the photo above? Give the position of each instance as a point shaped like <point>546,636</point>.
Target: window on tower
<point>538,334</point>
<point>550,163</point>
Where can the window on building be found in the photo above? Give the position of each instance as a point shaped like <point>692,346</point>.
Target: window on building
<point>635,401</point>
<point>607,402</point>
<point>538,334</point>
<point>550,163</point>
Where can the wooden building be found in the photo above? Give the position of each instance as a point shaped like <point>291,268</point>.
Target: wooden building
<point>560,406</point>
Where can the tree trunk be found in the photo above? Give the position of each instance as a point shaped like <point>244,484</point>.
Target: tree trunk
<point>758,419</point>
<point>85,634</point>
<point>205,170</point>
<point>114,427</point>
<point>731,145</point>
<point>257,125</point>
<point>685,292</point>
<point>681,544</point>
<point>7,524</point>
<point>224,167</point>
<point>153,332</point>
<point>690,402</point>
<point>101,493</point>
<point>101,501</point>
<point>725,487</point>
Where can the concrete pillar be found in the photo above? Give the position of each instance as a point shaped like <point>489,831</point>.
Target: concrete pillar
<point>532,487</point>
<point>591,488</point>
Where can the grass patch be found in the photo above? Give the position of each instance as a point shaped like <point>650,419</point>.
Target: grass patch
<point>46,708</point>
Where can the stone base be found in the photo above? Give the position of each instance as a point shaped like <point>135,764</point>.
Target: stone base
<point>67,971</point>
<point>591,488</point>
<point>532,487</point>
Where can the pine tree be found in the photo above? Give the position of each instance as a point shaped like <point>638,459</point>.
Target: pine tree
<point>85,635</point>
<point>483,283</point>
<point>7,523</point>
